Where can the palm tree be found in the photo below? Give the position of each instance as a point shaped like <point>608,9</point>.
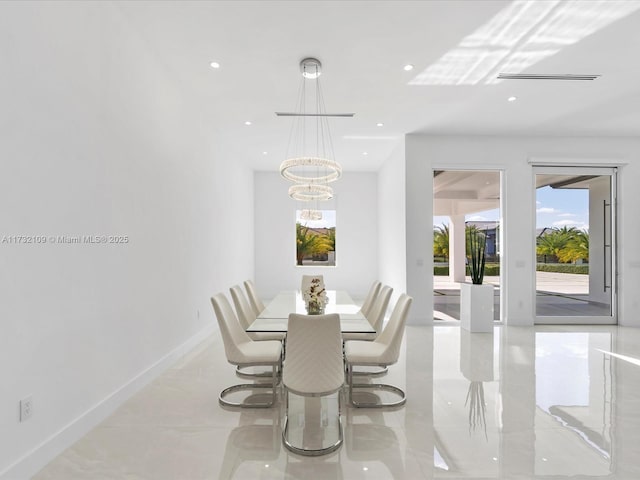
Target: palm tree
<point>567,231</point>
<point>331,239</point>
<point>577,248</point>
<point>309,243</point>
<point>554,242</point>
<point>441,241</point>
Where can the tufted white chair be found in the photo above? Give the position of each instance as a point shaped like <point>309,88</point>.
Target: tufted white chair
<point>375,317</point>
<point>254,299</point>
<point>371,298</point>
<point>246,315</point>
<point>382,352</point>
<point>244,352</point>
<point>314,367</point>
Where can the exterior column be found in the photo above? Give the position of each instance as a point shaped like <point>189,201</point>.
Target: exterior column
<point>457,253</point>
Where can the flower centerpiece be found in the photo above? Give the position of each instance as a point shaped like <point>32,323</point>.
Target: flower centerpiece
<point>315,297</point>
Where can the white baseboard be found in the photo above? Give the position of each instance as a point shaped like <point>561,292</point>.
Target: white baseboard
<point>32,462</point>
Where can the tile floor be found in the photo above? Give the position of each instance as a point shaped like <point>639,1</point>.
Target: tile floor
<point>545,402</point>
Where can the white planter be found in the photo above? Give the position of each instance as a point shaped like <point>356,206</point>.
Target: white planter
<point>476,307</point>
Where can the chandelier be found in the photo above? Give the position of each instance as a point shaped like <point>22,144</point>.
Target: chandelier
<point>310,163</point>
<point>309,214</point>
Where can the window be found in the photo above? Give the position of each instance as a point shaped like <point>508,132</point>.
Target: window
<point>316,240</point>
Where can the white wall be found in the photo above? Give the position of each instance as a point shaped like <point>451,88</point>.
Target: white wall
<point>511,155</point>
<point>356,205</point>
<point>391,218</point>
<point>97,139</point>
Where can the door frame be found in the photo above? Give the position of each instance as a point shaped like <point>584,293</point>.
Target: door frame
<point>500,170</point>
<point>612,319</point>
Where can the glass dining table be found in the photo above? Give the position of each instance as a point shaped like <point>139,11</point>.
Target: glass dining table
<point>275,317</point>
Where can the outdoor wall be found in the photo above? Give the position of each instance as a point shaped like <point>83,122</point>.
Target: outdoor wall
<point>391,217</point>
<point>356,205</point>
<point>97,139</point>
<point>513,156</point>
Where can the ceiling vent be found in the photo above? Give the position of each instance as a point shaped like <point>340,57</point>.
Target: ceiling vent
<point>545,76</point>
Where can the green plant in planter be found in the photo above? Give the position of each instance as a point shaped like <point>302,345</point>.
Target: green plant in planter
<point>477,243</point>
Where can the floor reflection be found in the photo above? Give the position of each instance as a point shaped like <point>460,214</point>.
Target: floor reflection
<point>377,447</point>
<point>521,403</point>
<point>574,402</point>
<point>552,410</point>
<point>255,441</point>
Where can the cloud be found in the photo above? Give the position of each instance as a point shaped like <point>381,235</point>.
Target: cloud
<point>566,214</point>
<point>477,218</point>
<point>546,210</point>
<point>566,223</point>
<point>538,202</point>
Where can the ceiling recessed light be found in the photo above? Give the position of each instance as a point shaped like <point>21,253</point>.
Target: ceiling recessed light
<point>380,124</point>
<point>365,153</point>
<point>214,65</point>
<point>247,122</point>
<point>408,67</point>
<point>264,153</point>
<point>512,99</point>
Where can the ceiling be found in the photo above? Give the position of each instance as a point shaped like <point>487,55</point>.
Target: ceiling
<point>463,192</point>
<point>458,192</point>
<point>457,48</point>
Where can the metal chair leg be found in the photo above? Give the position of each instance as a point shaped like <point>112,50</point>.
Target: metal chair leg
<point>376,373</point>
<point>306,451</point>
<point>242,374</point>
<point>374,386</point>
<point>251,386</point>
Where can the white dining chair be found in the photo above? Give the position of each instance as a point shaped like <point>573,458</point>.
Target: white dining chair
<point>254,299</point>
<point>370,298</point>
<point>314,367</point>
<point>381,352</point>
<point>244,352</point>
<point>375,317</point>
<point>246,315</point>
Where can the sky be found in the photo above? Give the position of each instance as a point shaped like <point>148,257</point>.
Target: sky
<point>560,207</point>
<point>555,208</point>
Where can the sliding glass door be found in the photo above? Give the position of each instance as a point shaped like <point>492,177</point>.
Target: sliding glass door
<point>575,245</point>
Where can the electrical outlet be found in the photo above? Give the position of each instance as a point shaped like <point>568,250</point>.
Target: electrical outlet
<point>26,408</point>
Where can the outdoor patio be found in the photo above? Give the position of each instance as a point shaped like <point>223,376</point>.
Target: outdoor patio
<point>558,294</point>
